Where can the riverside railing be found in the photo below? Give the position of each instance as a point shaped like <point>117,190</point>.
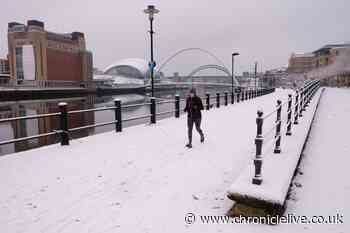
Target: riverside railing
<point>273,136</point>
<point>11,83</point>
<point>64,131</point>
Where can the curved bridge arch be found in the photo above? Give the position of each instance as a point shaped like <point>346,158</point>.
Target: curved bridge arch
<point>216,67</point>
<point>186,50</point>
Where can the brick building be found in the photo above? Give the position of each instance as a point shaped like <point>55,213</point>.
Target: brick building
<point>328,54</point>
<point>38,55</point>
<point>301,63</point>
<point>325,56</point>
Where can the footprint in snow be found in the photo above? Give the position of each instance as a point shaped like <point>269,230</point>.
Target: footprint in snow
<point>149,170</point>
<point>116,204</point>
<point>130,162</point>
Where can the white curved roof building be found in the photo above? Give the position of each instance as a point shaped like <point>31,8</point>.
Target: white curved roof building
<point>132,66</point>
<point>131,70</point>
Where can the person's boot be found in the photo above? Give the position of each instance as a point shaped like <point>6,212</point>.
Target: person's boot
<point>189,144</point>
<point>202,138</point>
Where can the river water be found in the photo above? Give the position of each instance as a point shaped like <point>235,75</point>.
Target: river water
<point>25,128</point>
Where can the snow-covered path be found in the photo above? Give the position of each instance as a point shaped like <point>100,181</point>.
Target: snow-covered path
<point>144,180</point>
<point>324,170</point>
<point>140,180</point>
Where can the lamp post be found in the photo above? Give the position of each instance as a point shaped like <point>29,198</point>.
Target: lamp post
<point>151,11</point>
<point>233,60</point>
<point>255,74</point>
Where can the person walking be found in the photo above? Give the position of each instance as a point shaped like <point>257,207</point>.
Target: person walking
<point>194,106</point>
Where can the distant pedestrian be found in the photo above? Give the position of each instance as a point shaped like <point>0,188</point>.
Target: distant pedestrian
<point>193,108</point>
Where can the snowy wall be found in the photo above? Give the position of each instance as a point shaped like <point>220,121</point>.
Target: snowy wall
<point>277,169</point>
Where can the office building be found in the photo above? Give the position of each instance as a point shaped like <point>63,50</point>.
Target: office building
<point>39,55</point>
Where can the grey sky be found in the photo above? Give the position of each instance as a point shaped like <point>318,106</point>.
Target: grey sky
<point>267,31</point>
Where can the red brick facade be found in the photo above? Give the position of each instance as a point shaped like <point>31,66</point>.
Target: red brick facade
<point>64,66</point>
<point>57,57</point>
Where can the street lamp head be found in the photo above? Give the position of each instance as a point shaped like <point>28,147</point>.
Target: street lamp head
<point>235,54</point>
<point>151,11</point>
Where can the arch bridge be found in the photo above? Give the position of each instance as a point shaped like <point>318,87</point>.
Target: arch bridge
<point>215,67</point>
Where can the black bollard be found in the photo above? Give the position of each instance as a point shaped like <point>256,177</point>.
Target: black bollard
<point>257,180</point>
<point>289,116</point>
<point>64,124</point>
<point>153,110</point>
<point>296,111</point>
<point>177,106</point>
<point>278,128</point>
<point>307,97</point>
<point>218,100</point>
<point>208,101</point>
<point>304,99</point>
<point>226,98</point>
<point>238,98</point>
<point>242,95</point>
<point>118,115</point>
<point>232,97</point>
<point>301,102</point>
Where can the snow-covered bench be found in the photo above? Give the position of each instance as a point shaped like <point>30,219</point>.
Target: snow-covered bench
<point>277,173</point>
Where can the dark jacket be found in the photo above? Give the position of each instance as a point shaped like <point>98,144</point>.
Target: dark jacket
<point>193,107</point>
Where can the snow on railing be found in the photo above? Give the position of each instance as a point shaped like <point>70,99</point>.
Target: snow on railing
<point>302,100</point>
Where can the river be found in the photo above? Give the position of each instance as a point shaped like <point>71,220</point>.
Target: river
<point>25,128</point>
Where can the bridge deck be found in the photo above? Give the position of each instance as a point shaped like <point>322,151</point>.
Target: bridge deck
<point>140,180</point>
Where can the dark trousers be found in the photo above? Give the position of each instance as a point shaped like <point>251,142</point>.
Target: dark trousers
<point>197,122</point>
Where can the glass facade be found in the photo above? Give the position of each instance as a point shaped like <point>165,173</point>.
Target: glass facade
<point>19,63</point>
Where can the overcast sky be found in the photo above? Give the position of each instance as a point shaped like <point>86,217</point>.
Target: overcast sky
<point>267,31</point>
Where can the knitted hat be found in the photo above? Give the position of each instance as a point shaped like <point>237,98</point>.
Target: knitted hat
<point>193,90</point>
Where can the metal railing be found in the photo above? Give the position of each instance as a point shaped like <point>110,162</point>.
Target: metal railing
<point>13,83</point>
<point>63,115</point>
<point>273,136</point>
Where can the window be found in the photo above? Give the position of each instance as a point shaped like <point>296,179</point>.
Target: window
<point>19,63</point>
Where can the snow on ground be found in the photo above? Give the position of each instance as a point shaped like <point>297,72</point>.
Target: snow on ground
<point>144,180</point>
<point>324,187</point>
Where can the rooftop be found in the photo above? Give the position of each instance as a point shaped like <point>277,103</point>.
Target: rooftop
<point>303,55</point>
<point>330,46</point>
